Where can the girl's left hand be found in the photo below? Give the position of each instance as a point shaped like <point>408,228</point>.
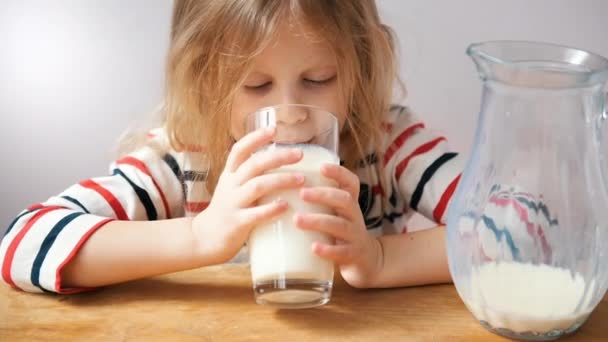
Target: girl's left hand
<point>358,254</point>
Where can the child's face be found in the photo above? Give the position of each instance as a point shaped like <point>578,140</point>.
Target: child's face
<point>296,67</point>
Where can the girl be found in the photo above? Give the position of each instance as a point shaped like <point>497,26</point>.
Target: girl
<point>180,201</point>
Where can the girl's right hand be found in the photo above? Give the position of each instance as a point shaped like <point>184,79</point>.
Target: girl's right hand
<point>224,226</point>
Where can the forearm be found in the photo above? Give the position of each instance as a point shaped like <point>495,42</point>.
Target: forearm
<point>128,250</point>
<point>416,258</point>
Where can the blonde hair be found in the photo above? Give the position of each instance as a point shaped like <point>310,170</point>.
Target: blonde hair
<point>213,43</point>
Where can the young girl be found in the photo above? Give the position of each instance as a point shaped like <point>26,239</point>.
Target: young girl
<point>186,198</point>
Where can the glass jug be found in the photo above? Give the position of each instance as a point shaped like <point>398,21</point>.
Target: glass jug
<point>527,232</point>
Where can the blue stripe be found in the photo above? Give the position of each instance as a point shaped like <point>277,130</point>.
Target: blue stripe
<point>426,177</point>
<point>75,201</point>
<point>172,163</point>
<point>143,195</point>
<point>373,222</point>
<point>10,227</point>
<point>392,216</point>
<point>540,207</point>
<point>46,246</point>
<point>543,208</point>
<point>195,176</point>
<point>393,198</point>
<point>370,159</point>
<point>499,233</point>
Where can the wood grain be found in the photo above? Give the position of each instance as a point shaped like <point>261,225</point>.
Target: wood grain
<point>216,304</point>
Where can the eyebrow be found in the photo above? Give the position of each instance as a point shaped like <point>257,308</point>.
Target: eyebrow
<point>334,67</point>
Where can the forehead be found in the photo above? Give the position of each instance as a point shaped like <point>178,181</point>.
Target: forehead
<point>295,42</point>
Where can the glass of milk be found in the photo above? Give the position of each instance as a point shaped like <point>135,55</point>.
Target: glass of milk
<point>284,270</point>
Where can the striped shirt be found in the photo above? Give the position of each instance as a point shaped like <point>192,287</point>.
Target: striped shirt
<point>151,185</point>
<point>514,226</point>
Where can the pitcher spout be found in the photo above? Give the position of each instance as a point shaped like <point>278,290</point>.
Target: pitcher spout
<point>538,65</point>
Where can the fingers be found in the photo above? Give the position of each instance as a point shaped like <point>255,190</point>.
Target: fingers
<point>335,226</point>
<point>243,148</point>
<point>267,160</point>
<point>254,216</point>
<point>263,185</point>
<point>345,178</point>
<point>339,200</point>
<point>341,254</point>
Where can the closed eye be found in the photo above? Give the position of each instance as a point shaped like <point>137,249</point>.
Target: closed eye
<point>258,86</point>
<point>321,81</point>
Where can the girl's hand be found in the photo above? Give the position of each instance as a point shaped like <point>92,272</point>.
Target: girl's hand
<point>358,255</point>
<point>224,226</point>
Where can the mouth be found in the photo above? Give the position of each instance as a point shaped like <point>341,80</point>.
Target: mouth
<point>295,141</point>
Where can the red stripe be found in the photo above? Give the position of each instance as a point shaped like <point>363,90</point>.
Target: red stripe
<point>378,190</point>
<point>397,143</point>
<point>109,197</point>
<point>143,168</point>
<point>196,207</point>
<point>35,206</point>
<point>544,243</point>
<point>523,215</point>
<point>69,258</point>
<point>12,248</point>
<point>445,199</point>
<point>420,150</point>
<point>151,135</point>
<point>484,256</point>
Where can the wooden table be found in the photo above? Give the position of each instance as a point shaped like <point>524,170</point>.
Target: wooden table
<point>216,304</point>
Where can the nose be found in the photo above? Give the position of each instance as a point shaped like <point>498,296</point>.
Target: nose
<point>289,115</point>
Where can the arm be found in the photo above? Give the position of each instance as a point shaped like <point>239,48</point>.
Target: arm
<point>364,261</point>
<point>47,238</point>
<point>425,175</point>
<point>50,242</point>
<point>416,258</point>
<point>125,250</point>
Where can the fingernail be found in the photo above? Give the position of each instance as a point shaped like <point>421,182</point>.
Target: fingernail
<point>299,178</point>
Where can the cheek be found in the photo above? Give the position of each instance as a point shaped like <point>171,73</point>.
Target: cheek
<point>241,107</point>
<point>338,108</point>
<point>331,100</point>
<point>237,124</point>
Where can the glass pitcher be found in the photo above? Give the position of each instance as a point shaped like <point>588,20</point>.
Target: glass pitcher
<point>527,233</point>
